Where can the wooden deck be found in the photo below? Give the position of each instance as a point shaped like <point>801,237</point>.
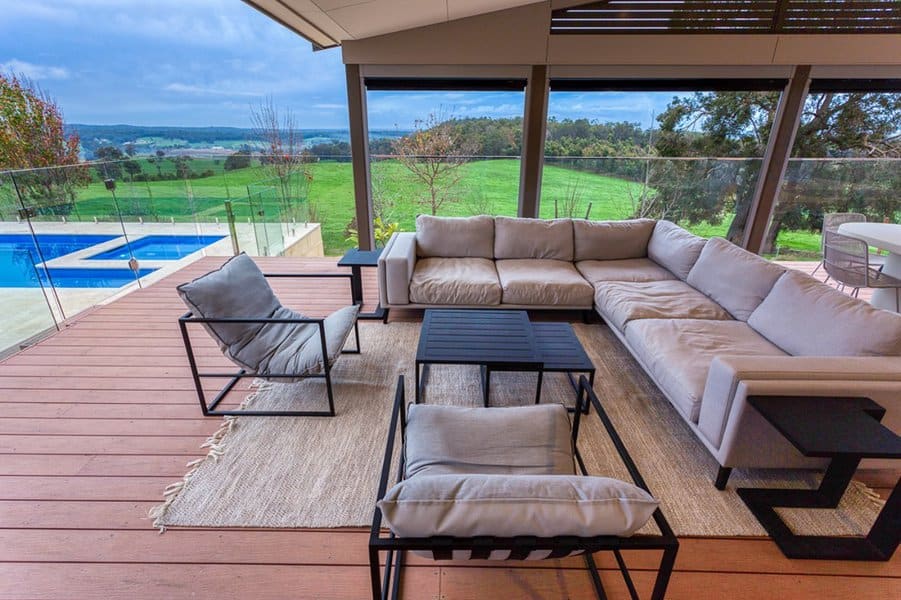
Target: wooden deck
<point>96,420</point>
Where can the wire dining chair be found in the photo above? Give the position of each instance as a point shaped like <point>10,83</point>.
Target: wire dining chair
<point>848,261</point>
<point>831,222</point>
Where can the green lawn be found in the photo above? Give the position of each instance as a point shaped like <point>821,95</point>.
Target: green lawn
<point>489,187</point>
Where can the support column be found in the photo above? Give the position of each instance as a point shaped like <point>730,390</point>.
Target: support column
<point>359,151</point>
<point>778,150</point>
<point>534,126</point>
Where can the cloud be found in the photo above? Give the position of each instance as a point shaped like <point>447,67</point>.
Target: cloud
<point>33,71</point>
<point>330,106</point>
<point>185,88</point>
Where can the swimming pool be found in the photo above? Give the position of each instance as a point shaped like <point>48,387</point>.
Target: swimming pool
<point>159,247</point>
<point>18,255</point>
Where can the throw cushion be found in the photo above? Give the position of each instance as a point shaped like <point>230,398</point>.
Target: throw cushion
<point>455,281</point>
<point>533,281</point>
<point>533,238</point>
<point>508,506</point>
<point>807,318</point>
<point>611,240</point>
<point>455,237</point>
<point>526,440</point>
<point>674,248</point>
<point>737,279</point>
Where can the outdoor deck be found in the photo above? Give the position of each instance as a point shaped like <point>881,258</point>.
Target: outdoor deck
<point>96,420</point>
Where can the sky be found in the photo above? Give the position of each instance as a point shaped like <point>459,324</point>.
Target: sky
<point>206,62</point>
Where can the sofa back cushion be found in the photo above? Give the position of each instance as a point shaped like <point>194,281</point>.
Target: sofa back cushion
<point>611,240</point>
<point>807,318</point>
<point>533,238</point>
<point>672,247</point>
<point>455,237</point>
<point>736,279</point>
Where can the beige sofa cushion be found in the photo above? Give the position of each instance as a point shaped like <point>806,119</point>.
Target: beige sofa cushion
<point>807,318</point>
<point>455,237</point>
<point>737,279</point>
<point>627,269</point>
<point>678,353</point>
<point>514,505</point>
<point>533,238</point>
<point>611,240</point>
<point>543,282</point>
<point>524,440</point>
<point>455,281</point>
<point>674,248</point>
<point>621,302</point>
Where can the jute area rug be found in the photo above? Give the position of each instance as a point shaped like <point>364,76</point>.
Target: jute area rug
<point>323,472</point>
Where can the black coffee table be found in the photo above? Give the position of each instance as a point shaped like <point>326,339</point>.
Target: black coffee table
<point>845,430</point>
<point>496,340</point>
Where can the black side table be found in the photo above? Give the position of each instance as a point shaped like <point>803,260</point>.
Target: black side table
<point>356,259</point>
<point>845,430</point>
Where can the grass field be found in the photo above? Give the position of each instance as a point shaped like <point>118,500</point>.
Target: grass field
<point>486,187</point>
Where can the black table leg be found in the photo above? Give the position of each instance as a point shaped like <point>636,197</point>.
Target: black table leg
<point>356,285</point>
<point>485,375</point>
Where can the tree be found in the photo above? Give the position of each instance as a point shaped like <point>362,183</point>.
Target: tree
<point>237,160</point>
<point>109,157</point>
<point>283,156</point>
<point>434,154</point>
<point>32,136</point>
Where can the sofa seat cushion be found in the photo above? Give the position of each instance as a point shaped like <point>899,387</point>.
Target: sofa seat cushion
<point>533,238</point>
<point>628,269</point>
<point>611,240</point>
<point>455,281</point>
<point>543,283</point>
<point>678,353</point>
<point>736,279</point>
<point>621,302</point>
<point>807,318</point>
<point>674,248</point>
<point>455,237</point>
<point>521,440</point>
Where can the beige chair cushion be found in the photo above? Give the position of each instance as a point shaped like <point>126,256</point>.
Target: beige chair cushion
<point>621,302</point>
<point>543,283</point>
<point>674,248</point>
<point>455,237</point>
<point>533,238</point>
<point>678,353</point>
<point>513,505</point>
<point>627,269</point>
<point>611,240</point>
<point>735,278</point>
<point>522,440</point>
<point>807,318</point>
<point>455,281</point>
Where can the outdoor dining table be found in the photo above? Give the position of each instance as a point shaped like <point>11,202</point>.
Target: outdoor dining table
<point>885,236</point>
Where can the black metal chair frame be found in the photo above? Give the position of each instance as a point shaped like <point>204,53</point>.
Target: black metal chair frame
<point>442,547</point>
<point>209,408</point>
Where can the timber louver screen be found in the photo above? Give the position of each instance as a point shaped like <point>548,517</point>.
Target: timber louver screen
<point>729,16</point>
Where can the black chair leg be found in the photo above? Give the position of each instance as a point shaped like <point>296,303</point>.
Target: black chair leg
<point>328,390</point>
<point>722,477</point>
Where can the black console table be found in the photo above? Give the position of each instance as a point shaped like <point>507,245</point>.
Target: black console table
<point>356,259</point>
<point>844,430</point>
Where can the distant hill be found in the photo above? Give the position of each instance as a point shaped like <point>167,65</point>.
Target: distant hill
<point>182,140</point>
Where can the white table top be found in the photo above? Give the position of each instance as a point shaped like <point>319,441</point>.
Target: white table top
<point>886,236</point>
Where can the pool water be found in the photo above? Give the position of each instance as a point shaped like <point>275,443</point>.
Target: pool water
<point>18,255</point>
<point>159,247</point>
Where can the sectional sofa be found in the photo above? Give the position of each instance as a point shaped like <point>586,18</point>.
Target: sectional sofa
<point>709,322</point>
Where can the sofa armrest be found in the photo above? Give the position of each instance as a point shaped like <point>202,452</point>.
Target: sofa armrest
<point>732,378</point>
<point>395,269</point>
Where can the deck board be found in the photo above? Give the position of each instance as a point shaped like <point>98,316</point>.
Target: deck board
<point>96,419</point>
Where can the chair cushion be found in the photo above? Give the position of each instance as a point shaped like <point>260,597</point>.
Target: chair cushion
<point>611,240</point>
<point>674,248</point>
<point>543,283</point>
<point>678,353</point>
<point>533,238</point>
<point>521,440</point>
<point>807,318</point>
<point>627,269</point>
<point>736,279</point>
<point>455,281</point>
<point>508,506</point>
<point>236,289</point>
<point>621,302</point>
<point>455,237</point>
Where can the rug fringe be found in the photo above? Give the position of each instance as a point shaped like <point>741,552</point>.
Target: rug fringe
<point>216,448</point>
<point>869,493</point>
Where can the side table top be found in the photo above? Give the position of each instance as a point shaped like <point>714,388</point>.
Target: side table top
<point>360,258</point>
<point>464,336</point>
<point>830,427</point>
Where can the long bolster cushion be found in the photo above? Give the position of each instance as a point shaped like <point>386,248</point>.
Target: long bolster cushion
<point>876,377</point>
<point>396,266</point>
<point>514,505</point>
